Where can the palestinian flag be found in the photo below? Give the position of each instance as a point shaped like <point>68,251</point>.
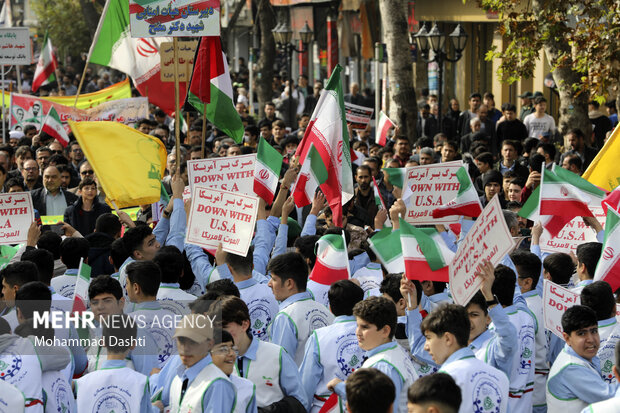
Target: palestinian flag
<point>395,176</point>
<point>266,171</point>
<point>387,247</point>
<point>608,267</point>
<point>211,84</point>
<point>80,294</point>
<point>425,253</point>
<point>46,67</point>
<point>383,127</point>
<point>466,202</point>
<point>332,260</point>
<point>52,126</point>
<point>313,173</point>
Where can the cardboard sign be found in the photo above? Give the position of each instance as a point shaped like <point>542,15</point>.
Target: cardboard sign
<point>556,300</point>
<point>430,187</point>
<point>574,233</point>
<point>16,215</point>
<point>222,216</point>
<point>179,18</point>
<point>234,173</point>
<point>488,239</point>
<point>358,116</point>
<point>185,60</point>
<point>15,46</point>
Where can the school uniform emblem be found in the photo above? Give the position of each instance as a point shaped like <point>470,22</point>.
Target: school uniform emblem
<point>110,401</point>
<point>349,355</point>
<point>9,369</point>
<point>486,395</point>
<point>260,314</point>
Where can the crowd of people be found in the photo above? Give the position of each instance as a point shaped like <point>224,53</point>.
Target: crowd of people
<point>253,333</point>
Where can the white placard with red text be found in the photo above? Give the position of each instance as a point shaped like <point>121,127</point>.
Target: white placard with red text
<point>488,239</point>
<point>16,216</point>
<point>574,233</point>
<point>221,216</point>
<point>431,186</point>
<point>234,173</point>
<point>556,300</point>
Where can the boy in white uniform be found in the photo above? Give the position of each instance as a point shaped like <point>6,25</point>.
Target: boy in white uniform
<point>610,405</point>
<point>13,277</point>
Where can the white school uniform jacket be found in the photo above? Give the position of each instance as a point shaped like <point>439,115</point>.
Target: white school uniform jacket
<point>609,332</point>
<point>369,276</point>
<point>541,366</point>
<point>483,388</point>
<point>65,284</point>
<point>12,399</point>
<point>192,400</point>
<point>172,298</point>
<point>261,303</point>
<point>57,388</point>
<point>608,406</point>
<point>522,375</point>
<point>160,323</point>
<point>111,389</point>
<point>20,366</point>
<point>563,405</point>
<point>246,394</point>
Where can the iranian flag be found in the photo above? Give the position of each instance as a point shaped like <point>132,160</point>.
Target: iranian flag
<point>383,127</point>
<point>211,85</point>
<point>332,405</point>
<point>46,67</point>
<point>266,171</point>
<point>466,202</point>
<point>387,247</point>
<point>137,57</point>
<point>395,176</point>
<point>332,260</point>
<point>80,294</point>
<point>327,131</point>
<point>313,173</point>
<point>426,255</point>
<point>608,267</point>
<point>52,126</point>
<point>379,200</point>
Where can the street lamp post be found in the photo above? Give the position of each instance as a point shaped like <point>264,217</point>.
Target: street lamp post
<point>435,40</point>
<point>283,35</point>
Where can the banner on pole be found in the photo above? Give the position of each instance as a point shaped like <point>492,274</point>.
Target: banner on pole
<point>234,173</point>
<point>157,18</point>
<point>16,216</point>
<point>15,46</point>
<point>185,60</point>
<point>358,116</point>
<point>574,233</point>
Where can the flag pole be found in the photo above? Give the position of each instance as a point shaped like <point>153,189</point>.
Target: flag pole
<point>177,110</point>
<point>204,126</point>
<point>90,51</point>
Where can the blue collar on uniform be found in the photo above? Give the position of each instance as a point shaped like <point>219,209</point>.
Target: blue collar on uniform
<point>595,362</point>
<point>530,293</point>
<point>147,305</point>
<point>480,340</point>
<point>250,353</point>
<point>382,347</point>
<point>71,271</point>
<point>191,372</point>
<point>511,309</point>
<point>294,298</point>
<point>170,285</point>
<point>584,283</point>
<point>246,283</point>
<point>343,319</point>
<point>459,354</point>
<point>439,297</point>
<point>607,322</point>
<point>113,364</point>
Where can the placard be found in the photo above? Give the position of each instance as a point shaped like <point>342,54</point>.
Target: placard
<point>15,46</point>
<point>574,233</point>
<point>430,186</point>
<point>180,18</point>
<point>16,216</point>
<point>357,116</point>
<point>489,239</point>
<point>233,173</point>
<point>556,300</point>
<point>222,216</point>
<point>185,60</point>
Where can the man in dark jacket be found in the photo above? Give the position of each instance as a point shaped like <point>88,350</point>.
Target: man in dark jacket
<point>107,229</point>
<point>51,199</point>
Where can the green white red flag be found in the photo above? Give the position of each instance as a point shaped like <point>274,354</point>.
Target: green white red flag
<point>266,171</point>
<point>312,174</point>
<point>53,127</point>
<point>327,131</point>
<point>80,294</point>
<point>332,260</point>
<point>383,127</point>
<point>608,267</point>
<point>466,202</point>
<point>426,255</point>
<point>46,67</point>
<point>387,247</point>
<point>395,176</point>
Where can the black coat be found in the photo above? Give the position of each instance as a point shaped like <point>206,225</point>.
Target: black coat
<point>83,221</point>
<point>39,196</point>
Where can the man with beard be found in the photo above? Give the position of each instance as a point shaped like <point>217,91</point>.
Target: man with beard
<point>364,207</point>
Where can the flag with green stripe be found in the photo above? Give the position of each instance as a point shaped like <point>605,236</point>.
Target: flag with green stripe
<point>386,246</point>
<point>332,260</point>
<point>608,267</point>
<point>466,202</point>
<point>426,255</point>
<point>313,173</point>
<point>266,171</point>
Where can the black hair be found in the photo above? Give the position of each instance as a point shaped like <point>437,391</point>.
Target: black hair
<point>50,241</point>
<point>224,285</point>
<point>504,285</point>
<point>343,295</point>
<point>448,318</point>
<point>536,162</point>
<point>560,267</point>
<point>305,245</point>
<point>527,264</point>
<point>390,285</point>
<point>439,389</point>
<point>378,311</point>
<point>475,95</point>
<point>118,254</point>
<point>233,310</point>
<point>108,224</point>
<point>290,265</point>
<point>589,254</point>
<point>72,249</point>
<point>44,260</point>
<point>509,106</point>
<point>599,297</point>
<point>34,296</point>
<point>19,273</point>
<point>239,263</point>
<point>103,284</point>
<point>146,274</point>
<point>485,157</point>
<point>578,317</point>
<point>134,237</point>
<point>479,300</point>
<point>548,148</point>
<point>170,261</point>
<point>369,391</point>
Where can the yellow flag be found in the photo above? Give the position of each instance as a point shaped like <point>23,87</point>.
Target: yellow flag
<point>604,171</point>
<point>129,164</point>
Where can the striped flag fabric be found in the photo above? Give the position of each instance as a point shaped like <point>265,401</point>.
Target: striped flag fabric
<point>379,200</point>
<point>332,260</point>
<point>395,176</point>
<point>387,247</point>
<point>313,173</point>
<point>466,202</point>
<point>383,127</point>
<point>332,405</point>
<point>426,255</point>
<point>266,171</point>
<point>608,267</point>
<point>46,66</point>
<point>53,127</point>
<point>80,294</point>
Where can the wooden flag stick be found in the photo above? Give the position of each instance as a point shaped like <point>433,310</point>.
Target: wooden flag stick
<point>177,110</point>
<point>204,126</point>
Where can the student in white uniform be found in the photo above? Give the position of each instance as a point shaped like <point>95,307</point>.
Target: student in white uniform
<point>588,255</point>
<point>610,405</point>
<point>13,277</point>
<point>575,377</point>
<point>369,390</point>
<point>115,386</point>
<point>437,393</point>
<point>299,314</point>
<point>170,295</point>
<point>72,249</point>
<point>483,388</point>
<point>12,400</point>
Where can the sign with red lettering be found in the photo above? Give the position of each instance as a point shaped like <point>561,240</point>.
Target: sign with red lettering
<point>574,233</point>
<point>221,216</point>
<point>489,239</point>
<point>234,173</point>
<point>430,186</point>
<point>556,300</point>
<point>16,215</point>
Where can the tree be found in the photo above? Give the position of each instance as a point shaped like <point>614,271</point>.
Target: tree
<point>264,69</point>
<point>403,106</point>
<point>580,40</point>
